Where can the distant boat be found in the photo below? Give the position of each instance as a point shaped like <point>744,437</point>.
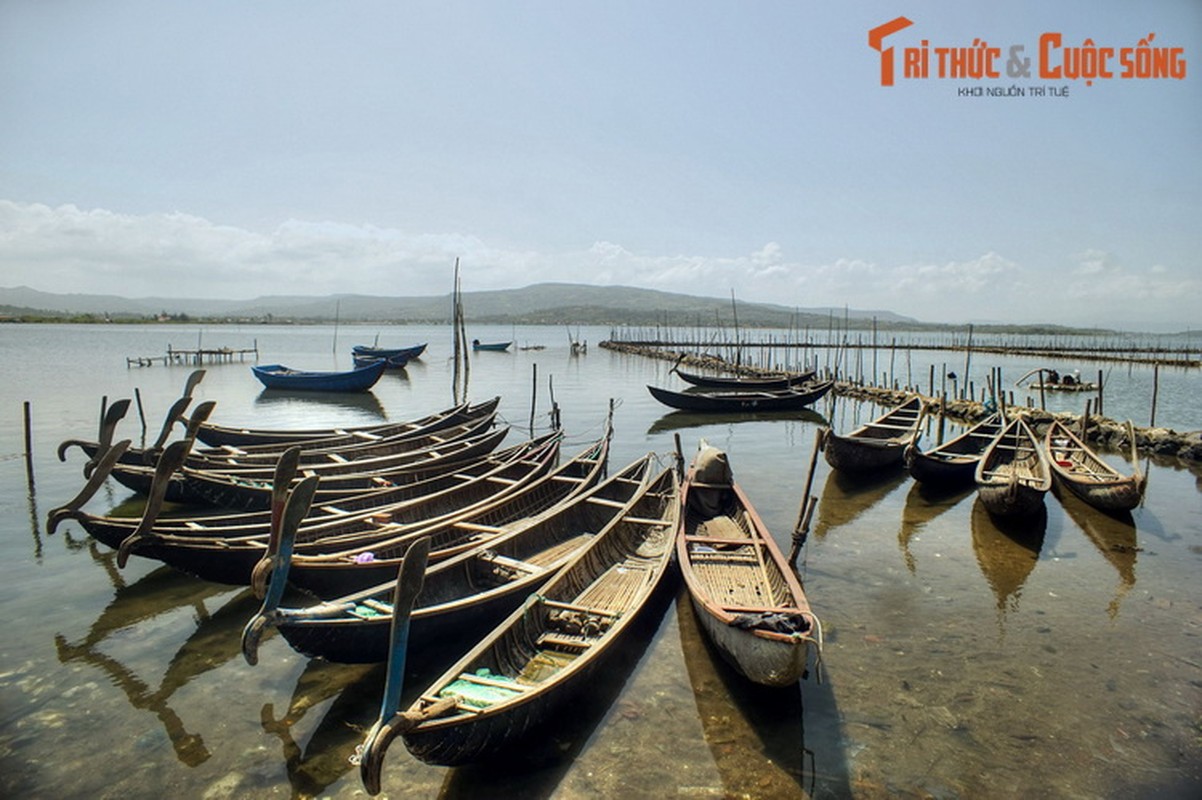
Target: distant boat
<point>392,362</point>
<point>791,399</point>
<point>360,379</point>
<point>497,347</point>
<point>740,382</point>
<point>407,353</point>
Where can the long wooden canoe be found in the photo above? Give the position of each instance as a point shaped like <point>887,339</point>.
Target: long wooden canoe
<point>748,599</point>
<point>1083,472</point>
<point>1013,476</point>
<point>743,400</point>
<point>879,444</point>
<point>243,437</point>
<point>953,463</point>
<point>476,589</point>
<point>529,670</point>
<point>742,382</point>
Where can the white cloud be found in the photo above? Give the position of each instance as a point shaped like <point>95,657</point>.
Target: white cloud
<point>68,249</point>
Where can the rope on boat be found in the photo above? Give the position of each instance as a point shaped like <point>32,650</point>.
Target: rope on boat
<point>817,643</point>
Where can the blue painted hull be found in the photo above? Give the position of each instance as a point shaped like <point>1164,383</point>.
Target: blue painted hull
<point>404,353</point>
<point>360,379</point>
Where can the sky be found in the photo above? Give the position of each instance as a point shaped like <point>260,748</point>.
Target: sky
<point>232,150</point>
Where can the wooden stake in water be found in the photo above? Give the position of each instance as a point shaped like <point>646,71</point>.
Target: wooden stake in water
<point>1155,391</point>
<point>29,443</point>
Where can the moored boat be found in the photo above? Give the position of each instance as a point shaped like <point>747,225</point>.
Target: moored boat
<point>953,463</point>
<point>473,590</point>
<point>743,400</point>
<point>359,379</point>
<point>1013,475</point>
<point>748,599</point>
<point>495,347</point>
<point>877,445</point>
<point>1083,472</point>
<point>531,668</point>
<point>741,382</point>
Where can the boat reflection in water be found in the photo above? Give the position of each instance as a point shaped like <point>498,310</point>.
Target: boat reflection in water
<point>1007,551</point>
<point>214,642</point>
<point>923,505</point>
<point>844,497</point>
<point>679,420</point>
<point>1114,535</point>
<point>755,733</point>
<point>303,405</point>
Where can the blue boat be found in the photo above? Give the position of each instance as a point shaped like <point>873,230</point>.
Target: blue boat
<point>392,362</point>
<point>498,347</point>
<point>360,379</point>
<point>405,353</point>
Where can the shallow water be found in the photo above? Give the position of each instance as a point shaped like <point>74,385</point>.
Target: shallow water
<point>960,660</point>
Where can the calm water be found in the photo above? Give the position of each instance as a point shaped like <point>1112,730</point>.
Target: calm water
<point>959,662</point>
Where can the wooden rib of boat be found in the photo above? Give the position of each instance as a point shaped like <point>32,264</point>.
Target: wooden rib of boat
<point>280,377</point>
<point>1083,472</point>
<point>748,599</point>
<point>337,557</point>
<point>740,382</point>
<point>953,463</point>
<point>530,669</point>
<point>478,588</point>
<point>231,436</point>
<point>717,400</point>
<point>1013,476</point>
<point>493,347</point>
<point>880,444</point>
<point>407,502</point>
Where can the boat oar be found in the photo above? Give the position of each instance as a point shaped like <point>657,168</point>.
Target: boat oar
<point>103,468</point>
<point>390,724</point>
<point>274,565</point>
<point>104,436</point>
<point>171,460</point>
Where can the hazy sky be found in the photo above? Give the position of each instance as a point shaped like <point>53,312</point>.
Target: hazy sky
<point>235,149</point>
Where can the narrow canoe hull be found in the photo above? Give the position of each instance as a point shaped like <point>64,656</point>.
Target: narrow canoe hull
<point>727,401</point>
<point>762,657</point>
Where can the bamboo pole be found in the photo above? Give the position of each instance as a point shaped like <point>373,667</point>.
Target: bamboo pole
<point>1155,391</point>
<point>29,443</point>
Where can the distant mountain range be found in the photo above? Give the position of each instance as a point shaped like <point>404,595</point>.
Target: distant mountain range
<point>538,304</point>
<point>543,303</point>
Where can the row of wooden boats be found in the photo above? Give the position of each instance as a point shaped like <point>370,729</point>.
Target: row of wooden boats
<point>1013,468</point>
<point>566,559</point>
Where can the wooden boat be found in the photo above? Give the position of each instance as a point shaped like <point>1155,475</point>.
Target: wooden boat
<point>1064,387</point>
<point>340,556</point>
<point>546,655</point>
<point>359,379</point>
<point>246,487</point>
<point>495,347</point>
<point>1013,476</point>
<point>741,382</point>
<point>240,437</point>
<point>953,463</point>
<point>392,362</point>
<point>1082,471</point>
<point>726,401</point>
<point>396,503</point>
<point>748,599</point>
<point>476,589</point>
<point>406,353</point>
<point>880,444</point>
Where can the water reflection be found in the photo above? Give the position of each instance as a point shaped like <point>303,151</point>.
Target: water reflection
<point>305,403</point>
<point>844,497</point>
<point>214,642</point>
<point>923,505</point>
<point>1006,551</point>
<point>755,733</point>
<point>325,755</point>
<point>679,420</point>
<point>1114,535</point>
